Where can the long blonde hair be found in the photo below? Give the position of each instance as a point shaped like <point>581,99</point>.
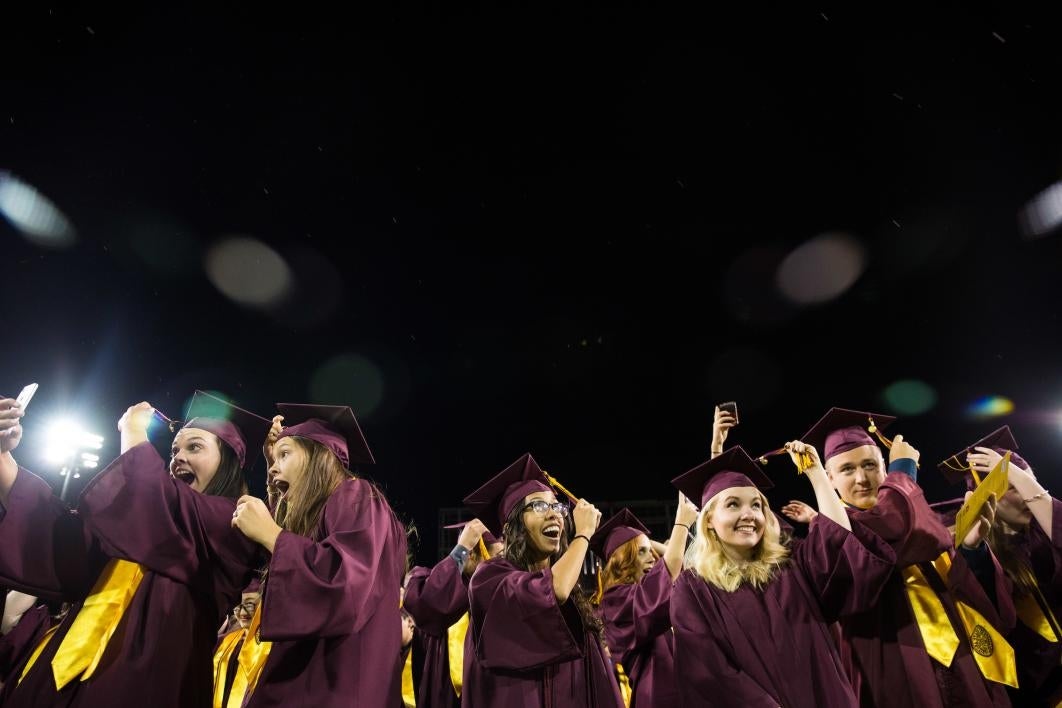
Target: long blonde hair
<point>707,558</point>
<point>300,509</point>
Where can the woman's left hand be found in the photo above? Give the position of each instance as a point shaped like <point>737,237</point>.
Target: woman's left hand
<point>253,519</point>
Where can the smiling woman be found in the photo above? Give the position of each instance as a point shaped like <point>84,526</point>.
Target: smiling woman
<point>751,615</point>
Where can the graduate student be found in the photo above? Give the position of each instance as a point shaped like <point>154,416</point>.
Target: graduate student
<point>751,616</point>
<point>149,563</point>
<point>1026,538</point>
<point>536,638</point>
<point>437,599</point>
<point>635,601</point>
<point>936,638</point>
<point>327,631</point>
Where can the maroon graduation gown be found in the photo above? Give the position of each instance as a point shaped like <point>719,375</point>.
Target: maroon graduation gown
<point>17,645</point>
<point>772,646</point>
<point>531,652</point>
<point>195,566</point>
<point>883,646</point>
<point>637,621</point>
<point>1039,674</point>
<point>436,598</point>
<point>331,608</point>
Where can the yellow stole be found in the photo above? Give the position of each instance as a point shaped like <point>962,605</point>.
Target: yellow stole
<point>409,695</point>
<point>1032,607</point>
<point>251,661</point>
<point>221,664</point>
<point>83,646</point>
<point>993,654</point>
<point>624,684</point>
<point>455,651</point>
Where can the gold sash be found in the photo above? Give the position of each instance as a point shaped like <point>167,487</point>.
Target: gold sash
<point>624,684</point>
<point>221,664</point>
<point>84,644</point>
<point>409,696</point>
<point>455,651</point>
<point>1032,615</point>
<point>252,660</point>
<point>993,654</point>
<point>37,652</point>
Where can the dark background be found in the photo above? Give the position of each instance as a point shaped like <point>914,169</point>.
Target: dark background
<point>517,229</point>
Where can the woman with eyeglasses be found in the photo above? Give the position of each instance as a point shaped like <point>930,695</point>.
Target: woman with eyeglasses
<point>228,651</point>
<point>536,638</point>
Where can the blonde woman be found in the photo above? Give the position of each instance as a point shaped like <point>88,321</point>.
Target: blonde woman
<point>329,614</point>
<point>750,614</point>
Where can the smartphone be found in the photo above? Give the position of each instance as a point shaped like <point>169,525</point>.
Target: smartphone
<point>26,394</point>
<point>731,408</point>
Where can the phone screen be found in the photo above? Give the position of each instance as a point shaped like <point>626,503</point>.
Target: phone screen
<point>731,408</point>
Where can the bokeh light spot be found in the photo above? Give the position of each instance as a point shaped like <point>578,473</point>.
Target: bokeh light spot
<point>33,214</point>
<point>910,397</point>
<point>349,380</point>
<point>990,407</point>
<point>248,271</point>
<point>821,269</point>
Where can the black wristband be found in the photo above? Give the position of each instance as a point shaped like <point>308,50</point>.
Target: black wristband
<point>688,528</point>
<point>585,537</point>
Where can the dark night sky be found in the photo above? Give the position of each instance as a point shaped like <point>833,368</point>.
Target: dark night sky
<point>512,230</point>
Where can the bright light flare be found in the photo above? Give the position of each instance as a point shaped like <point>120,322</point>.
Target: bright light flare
<point>65,438</point>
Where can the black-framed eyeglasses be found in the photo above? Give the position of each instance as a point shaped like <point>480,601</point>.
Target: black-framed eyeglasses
<point>249,607</point>
<point>540,507</point>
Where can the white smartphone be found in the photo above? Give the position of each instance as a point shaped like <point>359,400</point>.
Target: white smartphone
<point>27,394</point>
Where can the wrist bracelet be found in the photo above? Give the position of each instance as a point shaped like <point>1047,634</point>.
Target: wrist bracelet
<point>688,528</point>
<point>587,538</point>
<point>1035,497</point>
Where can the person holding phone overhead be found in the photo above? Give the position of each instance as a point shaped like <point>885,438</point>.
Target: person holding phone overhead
<point>149,562</point>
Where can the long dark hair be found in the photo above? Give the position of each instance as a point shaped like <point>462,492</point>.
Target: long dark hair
<point>518,552</point>
<point>228,480</point>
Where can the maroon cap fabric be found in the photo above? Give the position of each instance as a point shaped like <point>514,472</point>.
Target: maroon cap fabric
<point>241,430</point>
<point>335,427</point>
<point>494,501</point>
<point>622,527</point>
<point>956,470</point>
<point>734,468</point>
<point>841,430</point>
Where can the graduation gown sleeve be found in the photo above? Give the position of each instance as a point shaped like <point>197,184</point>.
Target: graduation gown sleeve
<point>139,512</point>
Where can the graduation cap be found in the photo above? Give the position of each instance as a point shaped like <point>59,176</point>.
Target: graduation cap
<point>841,430</point>
<point>956,469</point>
<point>622,527</point>
<point>734,468</point>
<point>488,538</point>
<point>335,427</point>
<point>495,500</point>
<point>946,510</point>
<point>241,430</point>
